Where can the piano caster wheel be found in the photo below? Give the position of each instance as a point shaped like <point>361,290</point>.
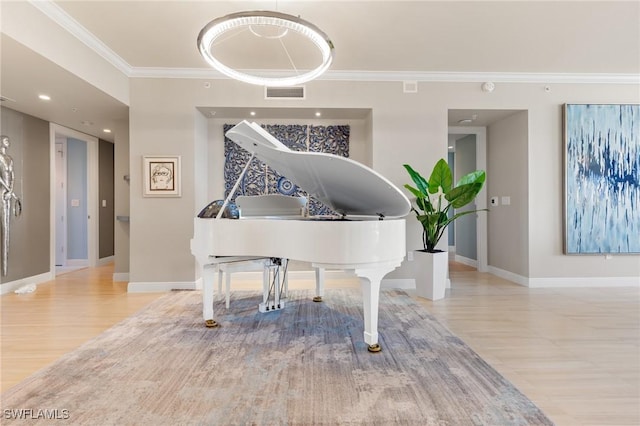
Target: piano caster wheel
<point>375,348</point>
<point>317,299</point>
<point>210,323</point>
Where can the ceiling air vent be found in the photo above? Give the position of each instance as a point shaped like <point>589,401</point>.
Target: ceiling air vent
<point>296,92</point>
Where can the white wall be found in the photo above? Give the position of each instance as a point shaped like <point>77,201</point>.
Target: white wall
<point>405,128</point>
<point>507,147</point>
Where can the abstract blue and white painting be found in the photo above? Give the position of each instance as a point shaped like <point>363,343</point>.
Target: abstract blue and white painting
<point>602,178</point>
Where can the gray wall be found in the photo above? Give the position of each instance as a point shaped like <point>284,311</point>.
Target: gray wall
<point>106,199</point>
<point>29,233</point>
<point>29,251</point>
<point>508,225</point>
<point>121,200</point>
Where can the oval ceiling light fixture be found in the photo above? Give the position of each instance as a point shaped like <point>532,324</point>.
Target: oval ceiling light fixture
<point>279,25</point>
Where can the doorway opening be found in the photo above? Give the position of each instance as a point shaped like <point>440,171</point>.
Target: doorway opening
<point>468,152</point>
<point>74,195</point>
<point>497,131</point>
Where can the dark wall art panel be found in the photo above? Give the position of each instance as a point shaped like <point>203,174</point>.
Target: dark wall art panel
<point>261,179</point>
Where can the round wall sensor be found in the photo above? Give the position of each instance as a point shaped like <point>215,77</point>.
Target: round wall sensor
<point>488,86</point>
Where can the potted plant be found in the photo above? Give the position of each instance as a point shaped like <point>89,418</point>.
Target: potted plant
<point>434,198</point>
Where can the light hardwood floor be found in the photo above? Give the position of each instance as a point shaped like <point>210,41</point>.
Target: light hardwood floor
<point>574,352</point>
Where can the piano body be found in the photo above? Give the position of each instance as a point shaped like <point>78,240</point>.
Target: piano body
<point>368,238</point>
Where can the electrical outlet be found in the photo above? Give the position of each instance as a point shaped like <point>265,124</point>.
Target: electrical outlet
<point>494,201</point>
<point>410,256</point>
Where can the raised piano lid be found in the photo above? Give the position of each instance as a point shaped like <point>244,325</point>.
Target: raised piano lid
<point>348,187</point>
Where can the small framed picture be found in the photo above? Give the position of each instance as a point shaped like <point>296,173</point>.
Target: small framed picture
<point>161,176</point>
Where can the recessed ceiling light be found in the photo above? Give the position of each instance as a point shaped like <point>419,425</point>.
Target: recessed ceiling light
<point>318,114</point>
<point>252,113</point>
<point>106,130</point>
<point>44,97</point>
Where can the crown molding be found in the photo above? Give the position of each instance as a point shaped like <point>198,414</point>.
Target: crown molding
<point>444,77</point>
<point>62,18</point>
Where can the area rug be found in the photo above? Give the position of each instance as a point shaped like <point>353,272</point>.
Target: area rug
<point>304,365</point>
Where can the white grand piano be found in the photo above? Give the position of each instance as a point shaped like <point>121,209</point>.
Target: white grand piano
<point>368,238</point>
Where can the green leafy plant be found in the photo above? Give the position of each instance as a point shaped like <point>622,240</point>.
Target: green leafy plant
<point>436,196</point>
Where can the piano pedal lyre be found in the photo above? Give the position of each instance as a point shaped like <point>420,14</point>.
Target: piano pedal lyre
<point>275,284</point>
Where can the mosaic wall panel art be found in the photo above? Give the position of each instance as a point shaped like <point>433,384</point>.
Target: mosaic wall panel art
<point>261,179</point>
<point>602,178</point>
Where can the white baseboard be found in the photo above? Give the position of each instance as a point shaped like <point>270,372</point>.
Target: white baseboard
<point>121,276</point>
<point>576,282</point>
<point>157,287</point>
<point>466,261</point>
<point>566,282</point>
<point>10,286</point>
<point>510,276</point>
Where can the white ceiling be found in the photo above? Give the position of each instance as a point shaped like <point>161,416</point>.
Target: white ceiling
<point>394,39</point>
<point>475,36</point>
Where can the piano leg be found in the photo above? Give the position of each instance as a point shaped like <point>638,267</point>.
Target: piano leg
<point>227,289</point>
<point>208,273</point>
<point>319,284</point>
<point>370,282</point>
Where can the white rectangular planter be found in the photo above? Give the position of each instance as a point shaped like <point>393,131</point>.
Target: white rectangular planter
<point>431,278</point>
